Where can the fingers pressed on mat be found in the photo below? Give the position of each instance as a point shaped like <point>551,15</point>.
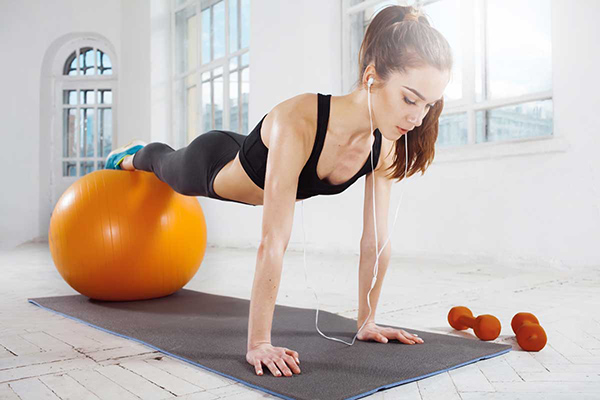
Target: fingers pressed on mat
<point>273,368</point>
<point>283,367</point>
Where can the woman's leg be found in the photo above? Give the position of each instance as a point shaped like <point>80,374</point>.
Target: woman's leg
<point>191,169</point>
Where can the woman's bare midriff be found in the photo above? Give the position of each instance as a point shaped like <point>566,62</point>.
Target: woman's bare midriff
<point>233,183</point>
<point>336,164</point>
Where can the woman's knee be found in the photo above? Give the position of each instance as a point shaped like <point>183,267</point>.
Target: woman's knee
<point>146,156</point>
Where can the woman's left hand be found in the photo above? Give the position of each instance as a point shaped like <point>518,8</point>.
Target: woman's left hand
<point>381,334</point>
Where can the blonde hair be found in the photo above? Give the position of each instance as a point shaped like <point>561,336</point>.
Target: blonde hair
<point>398,39</point>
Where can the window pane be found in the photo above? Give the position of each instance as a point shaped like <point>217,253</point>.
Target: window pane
<point>219,24</point>
<point>245,23</point>
<point>86,97</point>
<point>86,61</point>
<point>69,168</point>
<point>530,119</point>
<point>479,50</point>
<point>519,57</point>
<point>234,108</point>
<point>104,96</point>
<point>206,45</point>
<point>206,107</point>
<point>245,59</point>
<point>104,64</point>
<point>180,110</point>
<point>86,132</point>
<point>191,113</point>
<point>104,131</point>
<point>245,99</point>
<point>69,120</point>
<point>481,125</point>
<point>85,167</point>
<point>445,17</point>
<point>452,130</point>
<point>70,97</point>
<point>218,87</point>
<point>192,47</point>
<point>185,39</point>
<point>101,164</point>
<point>233,26</point>
<point>233,63</point>
<point>70,67</point>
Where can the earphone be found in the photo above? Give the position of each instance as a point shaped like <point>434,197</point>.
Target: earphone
<point>377,253</point>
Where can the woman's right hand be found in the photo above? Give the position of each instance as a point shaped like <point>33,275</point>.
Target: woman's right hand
<point>275,358</point>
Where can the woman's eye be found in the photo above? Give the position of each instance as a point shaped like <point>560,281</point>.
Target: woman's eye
<point>413,103</point>
<point>408,101</point>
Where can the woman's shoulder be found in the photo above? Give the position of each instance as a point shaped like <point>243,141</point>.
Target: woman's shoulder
<point>298,112</point>
<point>302,106</point>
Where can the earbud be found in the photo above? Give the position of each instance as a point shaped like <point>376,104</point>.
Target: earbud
<point>370,82</point>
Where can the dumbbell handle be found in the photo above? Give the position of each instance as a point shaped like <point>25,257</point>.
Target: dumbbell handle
<point>466,320</point>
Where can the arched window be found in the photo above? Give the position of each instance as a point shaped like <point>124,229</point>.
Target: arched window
<point>86,65</point>
<point>86,92</point>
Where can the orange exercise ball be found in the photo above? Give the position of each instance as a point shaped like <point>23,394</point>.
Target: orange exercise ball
<point>125,235</point>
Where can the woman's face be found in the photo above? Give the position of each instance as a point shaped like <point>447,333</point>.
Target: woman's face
<point>406,98</point>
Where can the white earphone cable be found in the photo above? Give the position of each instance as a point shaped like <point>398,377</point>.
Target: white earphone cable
<point>377,253</point>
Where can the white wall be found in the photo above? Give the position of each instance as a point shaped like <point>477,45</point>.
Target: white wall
<point>295,47</point>
<point>30,31</point>
<point>541,208</point>
<point>286,59</point>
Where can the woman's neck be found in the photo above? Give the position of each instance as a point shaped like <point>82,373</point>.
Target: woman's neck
<point>349,116</point>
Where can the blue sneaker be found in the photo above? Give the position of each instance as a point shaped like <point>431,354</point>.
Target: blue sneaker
<point>115,157</point>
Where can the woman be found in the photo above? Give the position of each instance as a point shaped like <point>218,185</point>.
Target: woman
<point>313,144</point>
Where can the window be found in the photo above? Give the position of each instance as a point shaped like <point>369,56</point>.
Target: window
<point>501,86</point>
<point>86,97</point>
<point>211,66</point>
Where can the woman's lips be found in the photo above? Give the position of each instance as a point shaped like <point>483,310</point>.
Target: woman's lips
<point>403,131</point>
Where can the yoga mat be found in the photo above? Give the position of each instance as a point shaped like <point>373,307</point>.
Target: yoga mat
<point>210,331</point>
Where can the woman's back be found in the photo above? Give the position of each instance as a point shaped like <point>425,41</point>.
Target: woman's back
<point>337,162</point>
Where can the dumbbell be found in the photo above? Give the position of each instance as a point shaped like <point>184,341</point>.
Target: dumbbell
<point>530,334</point>
<point>486,327</point>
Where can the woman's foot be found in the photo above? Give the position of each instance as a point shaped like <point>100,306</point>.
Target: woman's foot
<point>116,157</point>
<point>127,163</point>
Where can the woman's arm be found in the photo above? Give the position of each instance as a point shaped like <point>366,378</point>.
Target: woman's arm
<point>286,158</point>
<point>371,331</point>
<point>383,188</point>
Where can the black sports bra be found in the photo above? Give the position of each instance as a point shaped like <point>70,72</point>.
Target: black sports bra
<point>253,157</point>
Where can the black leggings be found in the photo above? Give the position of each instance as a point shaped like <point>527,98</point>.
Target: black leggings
<point>191,170</point>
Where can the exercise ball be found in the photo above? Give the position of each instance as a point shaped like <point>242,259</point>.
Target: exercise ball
<point>125,235</point>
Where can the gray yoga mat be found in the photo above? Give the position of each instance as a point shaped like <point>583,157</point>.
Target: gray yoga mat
<point>210,331</point>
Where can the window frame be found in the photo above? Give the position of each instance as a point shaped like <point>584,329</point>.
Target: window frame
<point>556,142</point>
<point>94,82</point>
<point>179,105</point>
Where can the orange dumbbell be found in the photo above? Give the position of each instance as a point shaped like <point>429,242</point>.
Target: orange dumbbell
<point>530,334</point>
<point>486,327</point>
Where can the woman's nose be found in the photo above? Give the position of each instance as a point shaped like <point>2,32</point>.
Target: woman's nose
<point>415,119</point>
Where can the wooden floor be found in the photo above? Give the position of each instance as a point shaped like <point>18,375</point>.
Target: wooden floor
<point>46,356</point>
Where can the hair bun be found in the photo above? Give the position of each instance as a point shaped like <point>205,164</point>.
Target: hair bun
<point>411,17</point>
